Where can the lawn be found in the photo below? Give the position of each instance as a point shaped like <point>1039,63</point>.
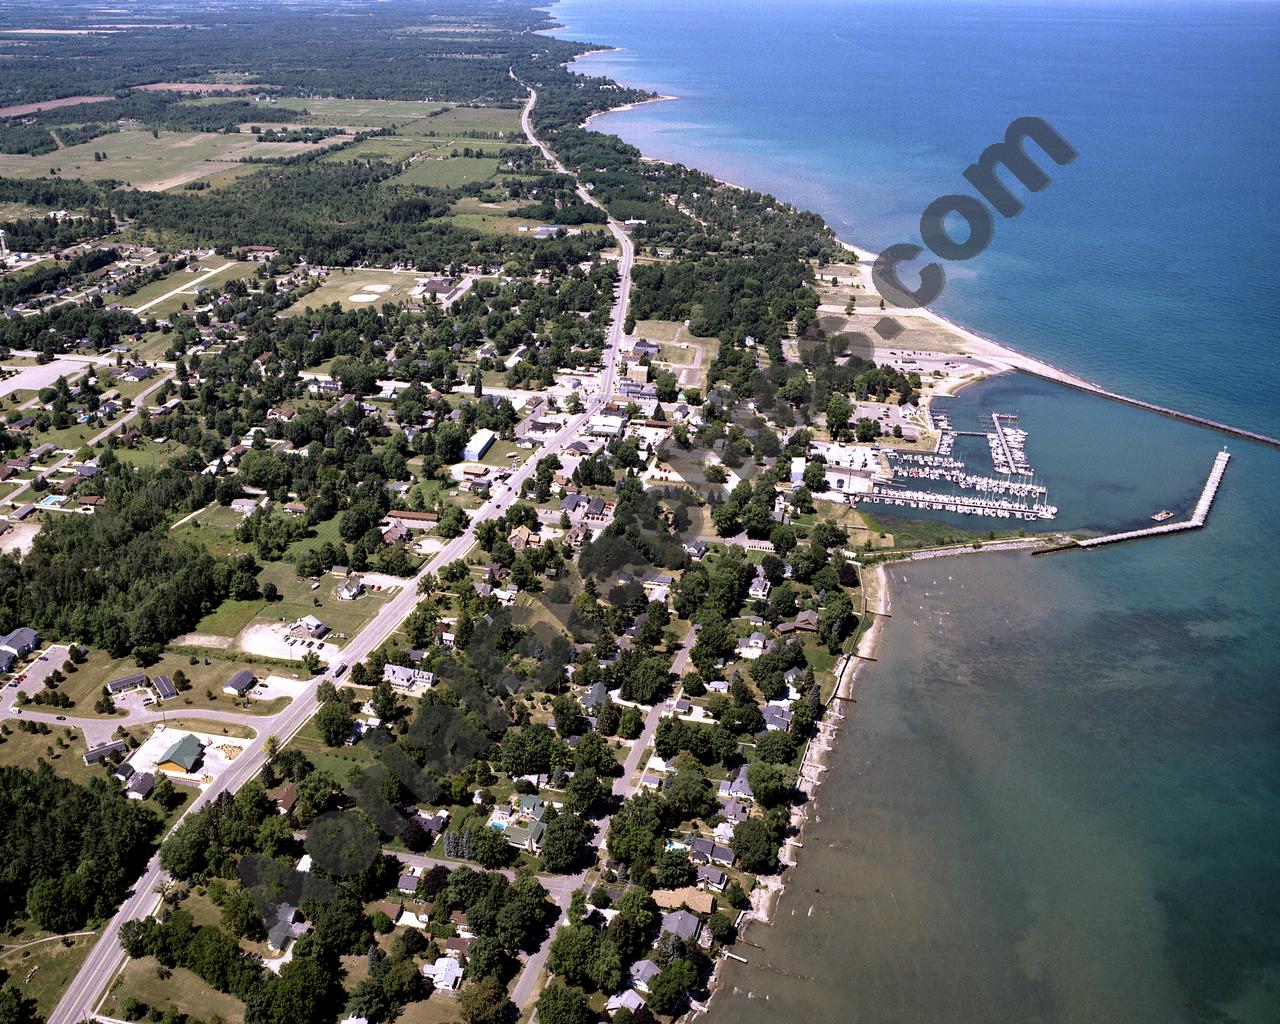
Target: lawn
<point>55,964</point>
<point>182,990</point>
<point>148,453</point>
<point>23,749</point>
<point>338,761</point>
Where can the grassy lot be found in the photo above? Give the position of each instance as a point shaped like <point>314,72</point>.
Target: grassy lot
<point>211,728</point>
<point>147,453</point>
<point>338,761</point>
<point>146,161</point>
<point>188,281</point>
<point>182,990</point>
<point>449,173</point>
<point>365,113</point>
<point>23,749</point>
<point>55,964</point>
<point>500,452</point>
<point>209,673</point>
<point>377,287</point>
<point>473,212</point>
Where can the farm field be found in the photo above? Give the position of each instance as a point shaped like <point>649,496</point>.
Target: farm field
<point>450,172</point>
<point>148,162</point>
<point>359,113</point>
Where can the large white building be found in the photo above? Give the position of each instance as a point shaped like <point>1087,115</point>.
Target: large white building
<point>481,441</point>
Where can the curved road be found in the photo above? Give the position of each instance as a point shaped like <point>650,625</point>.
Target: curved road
<point>83,994</point>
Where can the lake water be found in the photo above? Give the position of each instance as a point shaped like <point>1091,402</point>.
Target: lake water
<point>1058,796</point>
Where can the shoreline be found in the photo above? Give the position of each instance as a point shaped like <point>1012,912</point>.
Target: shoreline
<point>1006,358</point>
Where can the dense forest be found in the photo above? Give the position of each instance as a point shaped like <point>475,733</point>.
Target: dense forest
<point>70,851</point>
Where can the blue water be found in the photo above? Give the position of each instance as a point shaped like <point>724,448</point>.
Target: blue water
<point>1058,796</point>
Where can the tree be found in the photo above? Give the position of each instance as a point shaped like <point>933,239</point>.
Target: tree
<point>488,848</point>
<point>333,722</point>
<point>563,843</point>
<point>485,1002</point>
<point>669,987</point>
<point>769,783</point>
<point>755,847</point>
<point>559,1004</point>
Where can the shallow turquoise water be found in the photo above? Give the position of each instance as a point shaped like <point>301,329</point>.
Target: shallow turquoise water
<point>1058,797</point>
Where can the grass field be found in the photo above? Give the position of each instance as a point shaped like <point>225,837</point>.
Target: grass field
<point>182,990</point>
<point>473,119</point>
<point>450,172</point>
<point>472,212</point>
<point>186,282</point>
<point>55,964</point>
<point>149,162</point>
<point>375,288</point>
<point>363,113</point>
<point>23,750</point>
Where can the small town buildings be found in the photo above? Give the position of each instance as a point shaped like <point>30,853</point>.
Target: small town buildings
<point>183,757</point>
<point>287,798</point>
<point>712,878</point>
<point>630,1000</point>
<point>806,621</point>
<point>310,627</point>
<point>164,687</point>
<point>642,973</point>
<point>760,586</point>
<point>407,678</point>
<point>349,590</point>
<point>133,681</point>
<point>239,684</point>
<point>481,441</point>
<point>98,754</point>
<point>445,974</point>
<point>20,642</point>
<point>140,786</point>
<point>704,851</point>
<point>287,927</point>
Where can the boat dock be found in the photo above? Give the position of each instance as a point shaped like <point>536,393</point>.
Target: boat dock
<point>1198,516</point>
<point>1007,442</point>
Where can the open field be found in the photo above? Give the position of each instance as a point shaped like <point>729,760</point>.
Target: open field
<point>148,162</point>
<point>472,212</point>
<point>353,289</point>
<point>213,273</point>
<point>182,990</point>
<point>456,120</point>
<point>450,172</point>
<point>55,965</point>
<point>19,109</point>
<point>24,749</point>
<point>361,113</point>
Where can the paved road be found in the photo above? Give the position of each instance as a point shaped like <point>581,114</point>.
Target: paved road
<point>106,958</point>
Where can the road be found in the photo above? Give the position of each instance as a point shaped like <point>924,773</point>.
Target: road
<point>106,958</point>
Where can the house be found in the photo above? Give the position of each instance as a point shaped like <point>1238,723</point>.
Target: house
<point>806,621</point>
<point>239,684</point>
<point>737,786</point>
<point>521,824</point>
<point>21,642</point>
<point>138,373</point>
<point>704,851</point>
<point>522,537</point>
<point>694,899</point>
<point>245,506</point>
<point>407,883</point>
<point>594,697</point>
<point>287,927</point>
<point>96,755</point>
<point>286,798</point>
<point>459,945</point>
<point>182,757</point>
<point>6,661</point>
<point>164,687</point>
<point>350,589</point>
<point>140,786</point>
<point>630,1000</point>
<point>642,974</point>
<point>481,441</point>
<point>309,626</point>
<point>407,678</point>
<point>411,520</point>
<point>695,549</point>
<point>777,718</point>
<point>295,508</point>
<point>124,771</point>
<point>712,878</point>
<point>760,586</point>
<point>735,811</point>
<point>445,974</point>
<point>683,925</point>
<point>124,684</point>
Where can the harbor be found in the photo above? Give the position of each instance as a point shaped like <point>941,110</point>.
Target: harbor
<point>1199,515</point>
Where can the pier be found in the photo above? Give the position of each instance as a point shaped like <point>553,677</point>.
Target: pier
<point>1198,516</point>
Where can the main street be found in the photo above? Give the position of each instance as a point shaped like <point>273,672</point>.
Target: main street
<point>106,957</point>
